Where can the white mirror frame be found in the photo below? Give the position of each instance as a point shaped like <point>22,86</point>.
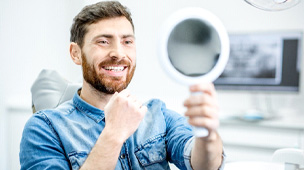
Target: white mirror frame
<point>208,18</point>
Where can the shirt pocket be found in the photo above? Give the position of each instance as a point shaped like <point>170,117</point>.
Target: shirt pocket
<point>153,154</point>
<point>77,159</point>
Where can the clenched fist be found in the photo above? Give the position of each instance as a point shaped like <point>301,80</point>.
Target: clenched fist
<point>123,114</point>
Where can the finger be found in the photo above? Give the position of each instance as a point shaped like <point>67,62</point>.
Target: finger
<point>204,87</point>
<point>143,110</point>
<point>132,98</point>
<point>112,98</point>
<point>125,93</point>
<point>202,111</point>
<point>211,124</point>
<point>200,100</point>
<point>138,104</point>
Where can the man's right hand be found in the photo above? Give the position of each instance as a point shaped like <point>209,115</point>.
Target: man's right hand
<point>123,114</point>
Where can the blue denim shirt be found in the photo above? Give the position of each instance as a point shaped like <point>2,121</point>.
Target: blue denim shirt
<point>62,138</point>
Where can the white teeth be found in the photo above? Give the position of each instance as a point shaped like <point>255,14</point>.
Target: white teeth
<point>111,68</point>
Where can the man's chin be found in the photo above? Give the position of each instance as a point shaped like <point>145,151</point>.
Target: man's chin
<point>111,88</point>
<point>117,88</point>
<point>110,85</point>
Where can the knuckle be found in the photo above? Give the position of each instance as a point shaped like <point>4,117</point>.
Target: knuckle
<point>203,110</point>
<point>118,98</point>
<point>217,124</point>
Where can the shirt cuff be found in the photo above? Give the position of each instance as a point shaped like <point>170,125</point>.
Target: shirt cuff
<point>223,160</point>
<point>187,155</point>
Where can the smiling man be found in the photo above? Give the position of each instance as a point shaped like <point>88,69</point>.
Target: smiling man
<point>104,126</point>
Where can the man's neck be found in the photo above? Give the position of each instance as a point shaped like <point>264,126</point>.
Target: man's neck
<point>94,97</point>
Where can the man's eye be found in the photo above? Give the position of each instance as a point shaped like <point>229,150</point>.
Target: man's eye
<point>103,42</point>
<point>128,42</point>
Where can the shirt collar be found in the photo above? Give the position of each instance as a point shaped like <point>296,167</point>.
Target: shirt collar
<point>91,111</point>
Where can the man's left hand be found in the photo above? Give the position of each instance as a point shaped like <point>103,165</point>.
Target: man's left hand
<point>202,109</point>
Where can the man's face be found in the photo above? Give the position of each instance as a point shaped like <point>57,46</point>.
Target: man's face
<point>109,55</point>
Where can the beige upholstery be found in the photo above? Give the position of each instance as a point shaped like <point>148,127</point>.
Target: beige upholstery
<point>50,89</point>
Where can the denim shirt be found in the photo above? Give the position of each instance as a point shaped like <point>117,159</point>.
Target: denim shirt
<point>62,138</point>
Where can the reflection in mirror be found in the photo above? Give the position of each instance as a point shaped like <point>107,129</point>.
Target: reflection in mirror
<point>193,47</point>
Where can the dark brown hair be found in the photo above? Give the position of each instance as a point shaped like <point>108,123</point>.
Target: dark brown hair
<point>93,13</point>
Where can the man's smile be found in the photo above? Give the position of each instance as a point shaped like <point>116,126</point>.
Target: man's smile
<point>115,70</point>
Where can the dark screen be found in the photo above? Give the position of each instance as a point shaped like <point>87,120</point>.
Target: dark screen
<point>288,71</point>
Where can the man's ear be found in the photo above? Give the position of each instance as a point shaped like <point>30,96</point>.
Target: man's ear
<point>75,53</point>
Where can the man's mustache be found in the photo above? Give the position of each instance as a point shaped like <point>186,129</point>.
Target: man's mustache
<point>109,62</point>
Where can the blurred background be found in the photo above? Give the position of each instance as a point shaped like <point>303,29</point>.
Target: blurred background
<point>34,35</point>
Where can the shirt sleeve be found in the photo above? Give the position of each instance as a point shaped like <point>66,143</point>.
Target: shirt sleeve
<point>40,147</point>
<point>178,133</point>
<point>223,160</point>
<point>180,140</point>
<point>187,155</point>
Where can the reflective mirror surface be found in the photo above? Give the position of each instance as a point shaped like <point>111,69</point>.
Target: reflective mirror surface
<point>193,47</point>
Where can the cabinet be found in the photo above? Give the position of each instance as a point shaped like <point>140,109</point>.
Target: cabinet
<point>15,118</point>
<point>257,141</point>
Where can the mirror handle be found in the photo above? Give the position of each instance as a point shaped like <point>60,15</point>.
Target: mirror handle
<point>199,131</point>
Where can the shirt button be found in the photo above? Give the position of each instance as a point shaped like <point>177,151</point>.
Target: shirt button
<point>122,156</point>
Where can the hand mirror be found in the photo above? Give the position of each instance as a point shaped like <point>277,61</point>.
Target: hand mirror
<point>194,48</point>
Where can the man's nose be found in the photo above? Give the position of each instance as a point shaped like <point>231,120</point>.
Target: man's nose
<point>117,51</point>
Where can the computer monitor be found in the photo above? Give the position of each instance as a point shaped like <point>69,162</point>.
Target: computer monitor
<point>263,61</point>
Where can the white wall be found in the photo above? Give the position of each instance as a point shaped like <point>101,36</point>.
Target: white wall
<point>34,35</point>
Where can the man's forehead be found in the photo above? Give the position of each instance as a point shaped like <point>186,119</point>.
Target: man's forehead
<point>110,26</point>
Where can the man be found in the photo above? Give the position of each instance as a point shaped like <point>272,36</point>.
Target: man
<point>104,126</point>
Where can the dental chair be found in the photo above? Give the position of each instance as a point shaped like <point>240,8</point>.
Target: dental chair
<point>50,90</point>
<point>292,158</point>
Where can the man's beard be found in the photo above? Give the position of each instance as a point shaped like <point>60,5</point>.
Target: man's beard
<point>102,82</point>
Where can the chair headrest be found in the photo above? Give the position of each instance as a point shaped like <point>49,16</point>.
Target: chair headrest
<point>50,90</point>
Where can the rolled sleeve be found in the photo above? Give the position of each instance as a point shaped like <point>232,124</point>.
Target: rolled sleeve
<point>223,160</point>
<point>187,155</point>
